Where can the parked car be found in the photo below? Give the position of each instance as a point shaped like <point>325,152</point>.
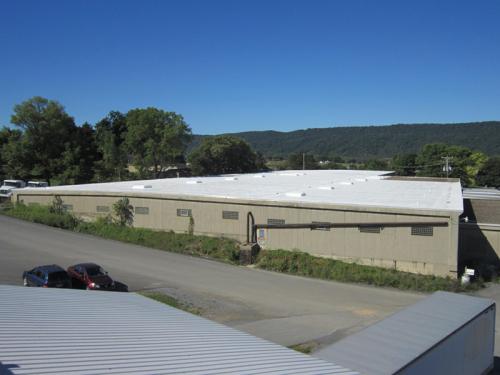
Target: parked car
<point>91,276</point>
<point>9,185</point>
<point>50,276</point>
<point>37,184</point>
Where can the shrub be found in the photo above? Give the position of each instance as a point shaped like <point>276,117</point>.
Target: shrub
<point>303,264</point>
<point>124,211</point>
<point>42,215</point>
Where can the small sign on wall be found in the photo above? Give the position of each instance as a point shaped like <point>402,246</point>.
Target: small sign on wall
<point>261,237</point>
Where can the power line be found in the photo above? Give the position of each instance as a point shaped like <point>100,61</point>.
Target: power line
<point>447,167</point>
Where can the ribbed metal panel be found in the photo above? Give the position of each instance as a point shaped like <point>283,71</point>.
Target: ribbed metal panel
<point>61,331</point>
<point>484,193</point>
<point>392,344</point>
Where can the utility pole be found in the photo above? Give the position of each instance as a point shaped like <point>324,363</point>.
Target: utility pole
<point>303,161</point>
<point>447,167</point>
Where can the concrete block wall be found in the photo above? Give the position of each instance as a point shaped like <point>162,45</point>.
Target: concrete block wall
<point>392,247</point>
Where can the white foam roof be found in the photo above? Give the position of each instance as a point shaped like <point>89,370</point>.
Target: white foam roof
<point>328,187</point>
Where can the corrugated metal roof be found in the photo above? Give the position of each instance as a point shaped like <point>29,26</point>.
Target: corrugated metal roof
<point>482,193</point>
<point>61,331</point>
<point>343,187</point>
<point>391,344</point>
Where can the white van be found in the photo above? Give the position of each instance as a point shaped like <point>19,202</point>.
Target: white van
<point>9,185</point>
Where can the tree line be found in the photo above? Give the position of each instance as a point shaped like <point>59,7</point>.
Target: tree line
<point>473,168</point>
<point>366,142</point>
<point>46,144</point>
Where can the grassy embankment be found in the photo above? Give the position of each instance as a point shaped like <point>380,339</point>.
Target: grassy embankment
<point>222,249</point>
<point>171,301</point>
<point>227,250</point>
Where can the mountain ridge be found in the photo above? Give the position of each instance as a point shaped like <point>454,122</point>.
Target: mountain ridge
<point>371,141</point>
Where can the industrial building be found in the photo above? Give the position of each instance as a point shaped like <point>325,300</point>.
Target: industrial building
<point>65,331</point>
<point>445,333</point>
<point>480,229</point>
<point>368,217</point>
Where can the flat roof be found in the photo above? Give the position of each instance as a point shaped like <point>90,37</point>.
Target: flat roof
<point>390,345</point>
<point>328,187</point>
<point>62,331</point>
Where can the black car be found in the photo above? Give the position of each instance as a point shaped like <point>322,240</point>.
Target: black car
<point>50,276</point>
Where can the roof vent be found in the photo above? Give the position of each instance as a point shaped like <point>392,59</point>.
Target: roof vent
<point>139,187</point>
<point>192,182</point>
<point>347,183</point>
<point>362,179</point>
<point>326,187</point>
<point>231,178</point>
<point>259,176</point>
<point>296,194</point>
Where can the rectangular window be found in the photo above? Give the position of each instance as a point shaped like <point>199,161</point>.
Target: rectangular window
<point>68,207</point>
<point>102,209</point>
<point>366,229</point>
<point>230,215</point>
<point>422,231</point>
<point>275,221</point>
<point>141,210</point>
<point>320,222</point>
<point>184,212</point>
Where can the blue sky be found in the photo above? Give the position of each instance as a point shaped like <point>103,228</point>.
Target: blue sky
<point>230,66</point>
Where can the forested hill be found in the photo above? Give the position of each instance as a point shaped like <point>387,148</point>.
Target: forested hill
<point>366,142</point>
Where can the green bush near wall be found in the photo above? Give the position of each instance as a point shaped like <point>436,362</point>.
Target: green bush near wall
<point>303,264</point>
<point>42,215</point>
<point>219,248</point>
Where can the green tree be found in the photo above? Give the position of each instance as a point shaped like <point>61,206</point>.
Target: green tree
<point>476,162</point>
<point>430,160</point>
<point>12,154</point>
<point>223,154</point>
<point>48,132</point>
<point>79,157</point>
<point>404,164</point>
<point>489,174</point>
<point>124,212</point>
<point>463,162</point>
<point>375,165</point>
<point>156,139</point>
<point>110,137</point>
<point>296,161</point>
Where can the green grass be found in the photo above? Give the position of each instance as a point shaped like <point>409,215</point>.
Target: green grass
<point>42,215</point>
<point>219,248</point>
<point>171,301</point>
<point>303,264</point>
<point>306,348</point>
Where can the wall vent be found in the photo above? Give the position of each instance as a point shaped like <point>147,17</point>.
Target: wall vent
<point>275,221</point>
<point>230,215</point>
<point>366,229</point>
<point>422,231</point>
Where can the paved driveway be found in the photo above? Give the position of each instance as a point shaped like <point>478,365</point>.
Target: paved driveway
<point>282,308</point>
